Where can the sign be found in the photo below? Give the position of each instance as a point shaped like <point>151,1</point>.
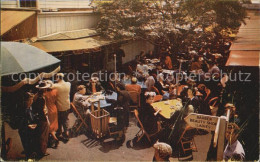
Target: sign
<point>201,121</point>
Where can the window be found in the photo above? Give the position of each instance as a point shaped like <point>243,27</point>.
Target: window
<point>27,3</point>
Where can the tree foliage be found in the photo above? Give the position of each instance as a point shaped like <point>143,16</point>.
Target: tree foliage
<point>177,24</point>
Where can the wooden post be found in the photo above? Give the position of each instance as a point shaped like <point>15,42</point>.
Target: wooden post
<point>115,69</point>
<point>92,106</point>
<point>98,105</point>
<point>216,133</point>
<point>177,78</point>
<point>221,138</point>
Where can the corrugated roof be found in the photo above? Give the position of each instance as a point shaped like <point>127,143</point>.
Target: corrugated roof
<point>70,45</point>
<point>69,35</point>
<point>10,19</point>
<point>245,50</point>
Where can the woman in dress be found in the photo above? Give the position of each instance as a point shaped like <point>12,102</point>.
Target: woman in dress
<point>148,115</point>
<point>50,97</point>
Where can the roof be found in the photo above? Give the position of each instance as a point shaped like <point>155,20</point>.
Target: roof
<point>75,34</point>
<point>70,45</point>
<point>243,58</point>
<point>245,50</point>
<point>10,19</point>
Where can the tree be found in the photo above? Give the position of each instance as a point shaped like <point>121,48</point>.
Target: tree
<point>172,24</point>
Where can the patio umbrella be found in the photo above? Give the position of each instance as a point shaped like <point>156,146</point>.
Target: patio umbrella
<point>20,57</point>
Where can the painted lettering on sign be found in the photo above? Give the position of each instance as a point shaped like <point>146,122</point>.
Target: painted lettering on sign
<point>201,121</point>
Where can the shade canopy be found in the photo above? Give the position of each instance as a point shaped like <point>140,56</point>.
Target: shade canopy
<point>70,45</point>
<point>20,57</point>
<point>10,19</point>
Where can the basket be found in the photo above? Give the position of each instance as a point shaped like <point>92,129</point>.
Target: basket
<point>99,123</point>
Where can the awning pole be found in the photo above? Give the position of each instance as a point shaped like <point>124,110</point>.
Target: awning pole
<point>115,69</point>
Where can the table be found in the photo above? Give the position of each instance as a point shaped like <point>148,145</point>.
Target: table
<point>103,102</point>
<point>168,107</point>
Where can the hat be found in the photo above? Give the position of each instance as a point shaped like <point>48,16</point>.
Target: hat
<point>150,94</point>
<point>80,87</point>
<point>60,75</point>
<point>94,79</point>
<point>49,82</point>
<point>163,149</point>
<point>43,85</point>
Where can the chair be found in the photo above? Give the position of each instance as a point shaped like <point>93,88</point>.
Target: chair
<point>208,93</point>
<point>79,116</point>
<point>187,137</point>
<point>157,98</point>
<point>142,131</point>
<point>135,96</point>
<point>154,89</point>
<point>212,105</point>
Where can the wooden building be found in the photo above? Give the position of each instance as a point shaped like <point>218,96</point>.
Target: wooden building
<point>66,29</point>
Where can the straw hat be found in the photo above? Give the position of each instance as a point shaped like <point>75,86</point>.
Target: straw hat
<point>60,75</point>
<point>49,82</point>
<point>43,85</point>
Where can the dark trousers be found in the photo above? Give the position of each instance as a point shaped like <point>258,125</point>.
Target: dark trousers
<point>62,121</point>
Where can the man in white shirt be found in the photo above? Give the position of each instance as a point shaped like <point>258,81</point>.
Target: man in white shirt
<point>142,70</point>
<point>81,101</point>
<point>63,104</point>
<point>150,81</point>
<point>234,150</point>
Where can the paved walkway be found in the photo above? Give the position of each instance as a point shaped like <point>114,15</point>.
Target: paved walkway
<point>82,148</point>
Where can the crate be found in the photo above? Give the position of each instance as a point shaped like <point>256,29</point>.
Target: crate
<point>99,123</point>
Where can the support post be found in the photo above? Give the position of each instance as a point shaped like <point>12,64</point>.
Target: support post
<point>221,138</point>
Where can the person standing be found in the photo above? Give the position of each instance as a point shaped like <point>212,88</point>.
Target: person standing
<point>51,97</point>
<point>63,105</point>
<point>28,124</point>
<point>40,110</point>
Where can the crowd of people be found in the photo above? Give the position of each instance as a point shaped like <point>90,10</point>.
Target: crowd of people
<point>45,114</point>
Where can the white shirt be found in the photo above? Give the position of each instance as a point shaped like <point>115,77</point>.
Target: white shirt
<point>80,101</point>
<point>149,82</point>
<point>63,95</point>
<point>235,149</point>
<point>143,69</point>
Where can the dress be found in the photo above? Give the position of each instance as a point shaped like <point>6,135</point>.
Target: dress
<point>148,119</point>
<point>50,97</point>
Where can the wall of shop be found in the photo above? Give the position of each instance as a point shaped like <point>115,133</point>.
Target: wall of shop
<point>131,49</point>
<point>9,4</point>
<point>53,22</point>
<point>134,48</point>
